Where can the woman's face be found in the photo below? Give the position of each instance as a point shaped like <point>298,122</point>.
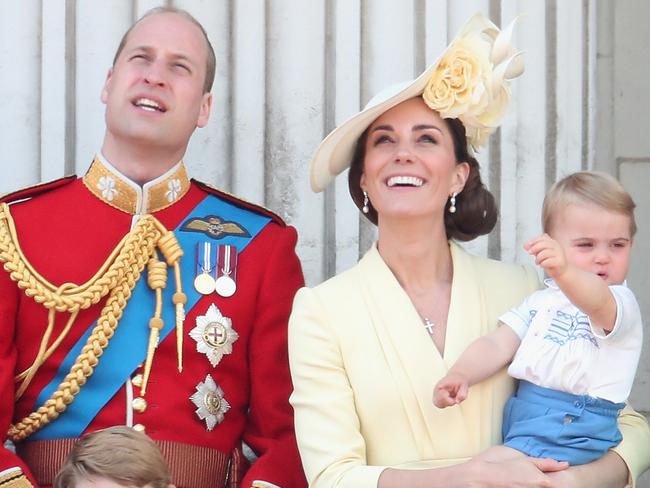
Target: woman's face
<point>410,169</point>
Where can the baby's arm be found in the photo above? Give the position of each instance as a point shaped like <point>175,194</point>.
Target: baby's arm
<point>587,291</point>
<point>482,358</point>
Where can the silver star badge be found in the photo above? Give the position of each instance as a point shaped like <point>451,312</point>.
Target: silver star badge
<point>214,335</point>
<point>210,403</point>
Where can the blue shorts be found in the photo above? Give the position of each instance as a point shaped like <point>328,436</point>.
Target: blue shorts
<point>541,422</point>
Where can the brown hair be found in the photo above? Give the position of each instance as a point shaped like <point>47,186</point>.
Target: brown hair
<point>120,454</point>
<point>476,212</point>
<point>588,187</point>
<point>211,62</point>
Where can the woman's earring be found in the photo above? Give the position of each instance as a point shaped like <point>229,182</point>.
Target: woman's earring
<point>365,209</point>
<point>452,203</point>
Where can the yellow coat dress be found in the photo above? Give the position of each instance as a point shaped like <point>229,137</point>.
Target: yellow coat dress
<point>364,368</point>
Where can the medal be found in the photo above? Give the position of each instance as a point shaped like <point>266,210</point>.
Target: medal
<point>225,284</point>
<point>214,335</point>
<point>210,402</point>
<point>204,282</point>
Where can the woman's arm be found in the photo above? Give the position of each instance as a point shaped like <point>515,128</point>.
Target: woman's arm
<point>609,471</point>
<point>523,472</point>
<point>328,430</point>
<point>634,449</point>
<point>619,467</point>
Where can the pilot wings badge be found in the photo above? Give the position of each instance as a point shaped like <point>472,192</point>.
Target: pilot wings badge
<point>214,226</point>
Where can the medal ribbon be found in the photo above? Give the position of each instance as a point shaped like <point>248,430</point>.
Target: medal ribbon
<point>227,261</point>
<point>128,347</point>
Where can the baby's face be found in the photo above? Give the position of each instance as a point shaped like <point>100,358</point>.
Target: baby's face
<point>595,240</point>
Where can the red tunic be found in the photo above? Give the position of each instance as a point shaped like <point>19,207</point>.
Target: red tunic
<point>66,233</point>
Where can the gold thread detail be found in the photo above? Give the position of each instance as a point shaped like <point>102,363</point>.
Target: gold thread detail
<point>117,277</point>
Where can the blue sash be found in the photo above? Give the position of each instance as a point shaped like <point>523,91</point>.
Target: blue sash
<point>128,347</point>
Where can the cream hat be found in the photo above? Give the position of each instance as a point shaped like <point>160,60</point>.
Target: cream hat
<point>469,81</point>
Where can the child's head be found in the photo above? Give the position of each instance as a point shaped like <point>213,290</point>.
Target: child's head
<point>114,457</point>
<point>592,216</point>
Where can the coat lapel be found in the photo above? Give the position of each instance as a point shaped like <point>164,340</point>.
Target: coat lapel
<point>466,313</point>
<point>414,363</point>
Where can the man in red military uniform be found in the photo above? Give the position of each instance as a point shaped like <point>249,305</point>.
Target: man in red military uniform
<point>136,296</point>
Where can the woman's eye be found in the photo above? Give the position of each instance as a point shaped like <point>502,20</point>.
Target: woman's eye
<point>428,139</point>
<point>383,139</point>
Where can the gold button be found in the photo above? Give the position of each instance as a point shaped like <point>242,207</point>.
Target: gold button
<point>138,427</point>
<point>139,404</point>
<point>137,380</point>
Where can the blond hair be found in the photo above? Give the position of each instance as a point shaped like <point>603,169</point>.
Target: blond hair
<point>588,187</point>
<point>120,454</point>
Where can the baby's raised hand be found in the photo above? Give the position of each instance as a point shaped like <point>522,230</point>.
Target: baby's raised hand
<point>548,254</point>
<point>450,390</point>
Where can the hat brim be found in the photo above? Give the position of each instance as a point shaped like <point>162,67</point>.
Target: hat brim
<point>334,154</point>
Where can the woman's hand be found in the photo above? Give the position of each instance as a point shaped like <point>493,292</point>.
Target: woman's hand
<point>565,479</point>
<point>520,472</point>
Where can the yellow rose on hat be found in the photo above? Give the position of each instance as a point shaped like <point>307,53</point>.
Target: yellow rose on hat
<point>458,86</point>
<point>471,81</point>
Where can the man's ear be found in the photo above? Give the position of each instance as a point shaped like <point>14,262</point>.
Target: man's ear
<point>104,94</point>
<point>204,112</point>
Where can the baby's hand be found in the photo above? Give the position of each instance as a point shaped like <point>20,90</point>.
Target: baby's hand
<point>548,254</point>
<point>450,390</point>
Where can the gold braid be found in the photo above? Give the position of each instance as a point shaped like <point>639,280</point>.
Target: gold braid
<point>118,275</point>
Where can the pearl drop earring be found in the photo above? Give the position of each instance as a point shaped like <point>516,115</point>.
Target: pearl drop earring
<point>452,203</point>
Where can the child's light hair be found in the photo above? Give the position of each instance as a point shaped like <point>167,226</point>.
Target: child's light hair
<point>120,454</point>
<point>588,187</point>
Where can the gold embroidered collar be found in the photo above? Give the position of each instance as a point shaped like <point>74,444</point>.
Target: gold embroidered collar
<point>112,187</point>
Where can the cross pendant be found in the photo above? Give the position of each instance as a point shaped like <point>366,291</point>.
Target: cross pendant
<point>429,325</point>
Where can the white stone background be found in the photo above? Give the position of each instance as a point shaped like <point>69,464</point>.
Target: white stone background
<point>290,70</point>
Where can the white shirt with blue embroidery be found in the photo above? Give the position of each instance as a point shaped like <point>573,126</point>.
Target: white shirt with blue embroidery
<point>561,350</point>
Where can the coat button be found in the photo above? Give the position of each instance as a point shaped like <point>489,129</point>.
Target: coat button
<point>139,404</point>
<point>137,380</point>
<point>139,427</point>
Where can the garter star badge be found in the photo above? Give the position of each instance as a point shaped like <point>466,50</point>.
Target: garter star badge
<point>214,335</point>
<point>210,403</point>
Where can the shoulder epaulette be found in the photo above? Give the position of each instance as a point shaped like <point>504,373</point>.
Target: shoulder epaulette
<point>253,207</point>
<point>32,191</point>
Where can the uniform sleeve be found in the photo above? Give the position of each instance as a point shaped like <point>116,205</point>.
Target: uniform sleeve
<point>12,469</point>
<point>269,431</point>
<point>635,446</point>
<point>331,445</point>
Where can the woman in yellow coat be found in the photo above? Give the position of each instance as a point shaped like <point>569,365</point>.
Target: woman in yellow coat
<point>367,346</point>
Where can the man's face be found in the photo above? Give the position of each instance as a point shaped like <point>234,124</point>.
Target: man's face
<point>154,92</point>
